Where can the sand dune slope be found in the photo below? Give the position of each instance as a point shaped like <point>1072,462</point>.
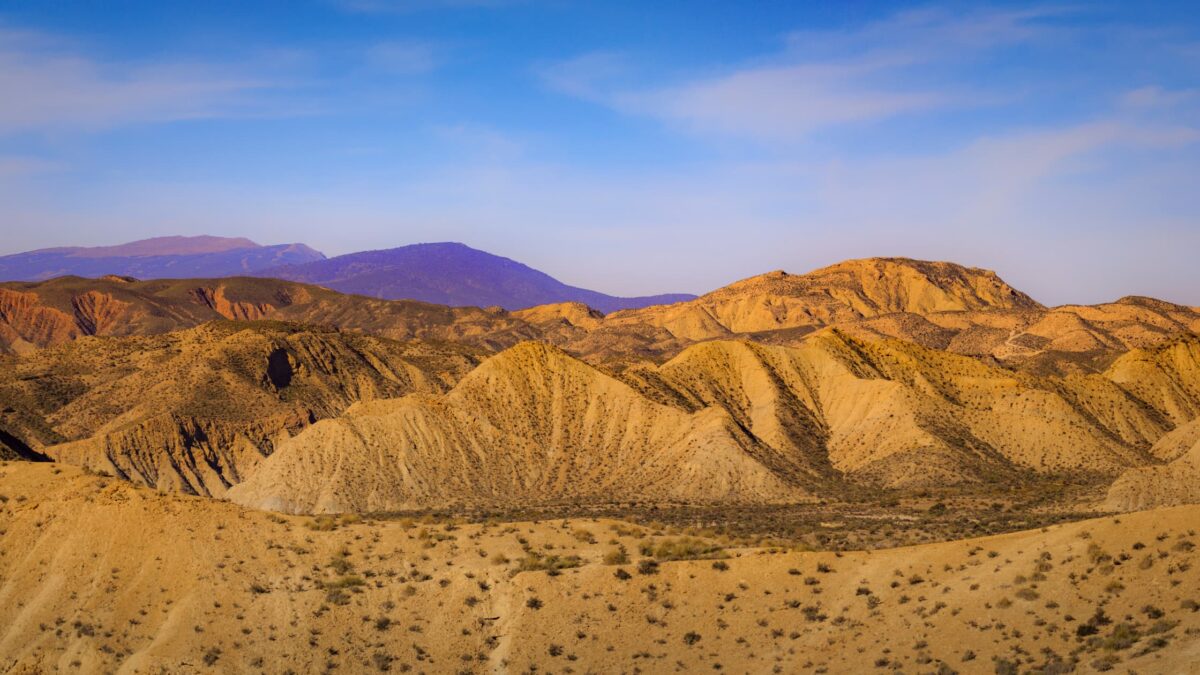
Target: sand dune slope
<point>529,425</point>
<point>894,413</point>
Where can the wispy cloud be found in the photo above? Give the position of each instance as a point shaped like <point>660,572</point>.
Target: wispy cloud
<point>927,34</point>
<point>403,57</point>
<point>782,103</point>
<point>1154,96</point>
<point>405,6</point>
<point>16,165</point>
<point>48,85</point>
<point>821,79</point>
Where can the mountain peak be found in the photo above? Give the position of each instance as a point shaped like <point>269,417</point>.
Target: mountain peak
<point>173,245</point>
<point>451,273</point>
<point>157,258</point>
<point>884,285</point>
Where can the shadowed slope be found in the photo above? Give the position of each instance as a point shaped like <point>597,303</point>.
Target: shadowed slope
<point>1168,376</point>
<point>195,411</point>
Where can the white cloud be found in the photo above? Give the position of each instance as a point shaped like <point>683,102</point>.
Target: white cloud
<point>784,103</point>
<point>45,85</point>
<point>822,79</point>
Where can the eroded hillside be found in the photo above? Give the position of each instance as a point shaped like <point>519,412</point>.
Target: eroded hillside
<point>195,411</point>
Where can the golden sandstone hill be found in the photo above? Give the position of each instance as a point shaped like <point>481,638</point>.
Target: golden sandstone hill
<point>879,373</point>
<point>841,293</point>
<point>938,305</point>
<point>529,425</point>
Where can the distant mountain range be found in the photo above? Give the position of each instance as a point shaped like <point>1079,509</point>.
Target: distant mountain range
<point>443,273</point>
<point>157,258</point>
<point>452,274</point>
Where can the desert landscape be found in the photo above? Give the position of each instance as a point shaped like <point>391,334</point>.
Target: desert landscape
<point>499,337</point>
<point>886,464</point>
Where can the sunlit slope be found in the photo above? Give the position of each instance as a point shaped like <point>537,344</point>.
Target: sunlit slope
<point>894,413</point>
<point>844,292</point>
<point>529,425</point>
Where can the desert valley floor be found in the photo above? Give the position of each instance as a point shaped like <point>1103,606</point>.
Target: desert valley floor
<point>103,576</point>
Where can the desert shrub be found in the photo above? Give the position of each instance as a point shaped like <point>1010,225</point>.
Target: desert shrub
<point>1123,636</point>
<point>534,562</point>
<point>340,564</point>
<point>617,556</point>
<point>684,548</point>
<point>1005,667</point>
<point>382,661</point>
<point>322,524</point>
<point>648,567</point>
<point>1027,594</point>
<point>691,638</point>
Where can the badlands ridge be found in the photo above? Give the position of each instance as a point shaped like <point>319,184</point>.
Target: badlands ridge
<point>866,375</point>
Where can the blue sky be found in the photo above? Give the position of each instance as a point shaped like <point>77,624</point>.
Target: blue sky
<point>628,147</point>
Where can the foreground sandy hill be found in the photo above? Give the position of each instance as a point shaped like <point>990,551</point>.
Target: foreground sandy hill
<point>97,575</point>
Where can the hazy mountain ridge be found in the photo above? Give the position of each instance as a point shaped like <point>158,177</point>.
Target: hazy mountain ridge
<point>452,274</point>
<point>159,258</point>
